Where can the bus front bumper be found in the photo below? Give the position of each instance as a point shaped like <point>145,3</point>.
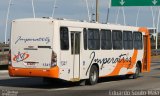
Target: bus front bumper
<point>34,72</point>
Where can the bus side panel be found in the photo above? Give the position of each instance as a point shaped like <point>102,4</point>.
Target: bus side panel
<point>125,65</point>
<point>112,63</point>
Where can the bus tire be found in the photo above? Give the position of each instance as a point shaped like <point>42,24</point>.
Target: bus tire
<point>137,72</point>
<point>93,75</point>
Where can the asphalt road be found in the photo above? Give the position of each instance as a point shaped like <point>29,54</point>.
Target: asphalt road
<point>146,84</point>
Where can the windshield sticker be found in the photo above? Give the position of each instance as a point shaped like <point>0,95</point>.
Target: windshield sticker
<point>20,57</point>
<point>26,40</point>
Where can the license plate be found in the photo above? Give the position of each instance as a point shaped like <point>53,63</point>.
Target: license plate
<point>30,64</point>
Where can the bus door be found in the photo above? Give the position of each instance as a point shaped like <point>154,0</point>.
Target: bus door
<point>75,52</point>
<point>145,60</point>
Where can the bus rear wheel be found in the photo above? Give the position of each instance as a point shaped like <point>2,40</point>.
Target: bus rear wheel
<point>93,75</point>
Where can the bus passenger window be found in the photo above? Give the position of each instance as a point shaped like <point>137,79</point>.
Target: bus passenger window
<point>93,39</point>
<point>117,39</point>
<point>127,40</point>
<point>106,39</point>
<point>85,38</point>
<point>137,40</point>
<point>64,38</point>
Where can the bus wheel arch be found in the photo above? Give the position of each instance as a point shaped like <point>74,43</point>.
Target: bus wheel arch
<point>139,63</point>
<point>93,74</point>
<point>95,64</point>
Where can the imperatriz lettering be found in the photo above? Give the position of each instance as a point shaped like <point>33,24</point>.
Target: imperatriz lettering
<point>39,39</point>
<point>121,59</point>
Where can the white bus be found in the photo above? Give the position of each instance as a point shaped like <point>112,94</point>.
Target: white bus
<point>75,50</point>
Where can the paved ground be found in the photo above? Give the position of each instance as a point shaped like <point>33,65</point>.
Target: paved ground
<point>106,86</point>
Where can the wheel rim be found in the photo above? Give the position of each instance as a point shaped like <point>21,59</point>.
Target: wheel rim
<point>93,76</point>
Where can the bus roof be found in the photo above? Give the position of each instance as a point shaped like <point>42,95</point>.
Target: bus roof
<point>83,24</point>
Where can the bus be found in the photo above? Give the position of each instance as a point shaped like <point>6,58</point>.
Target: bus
<point>77,50</point>
<point>4,51</point>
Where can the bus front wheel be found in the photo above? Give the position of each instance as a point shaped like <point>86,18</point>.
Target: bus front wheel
<point>135,75</point>
<point>137,72</point>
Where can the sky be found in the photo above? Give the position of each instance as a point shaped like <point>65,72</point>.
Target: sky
<point>72,9</point>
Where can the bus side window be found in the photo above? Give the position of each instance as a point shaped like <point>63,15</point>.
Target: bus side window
<point>137,40</point>
<point>85,38</point>
<point>127,40</point>
<point>64,38</point>
<point>93,39</point>
<point>106,39</point>
<point>117,39</point>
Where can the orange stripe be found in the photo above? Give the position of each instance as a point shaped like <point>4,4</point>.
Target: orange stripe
<point>52,72</point>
